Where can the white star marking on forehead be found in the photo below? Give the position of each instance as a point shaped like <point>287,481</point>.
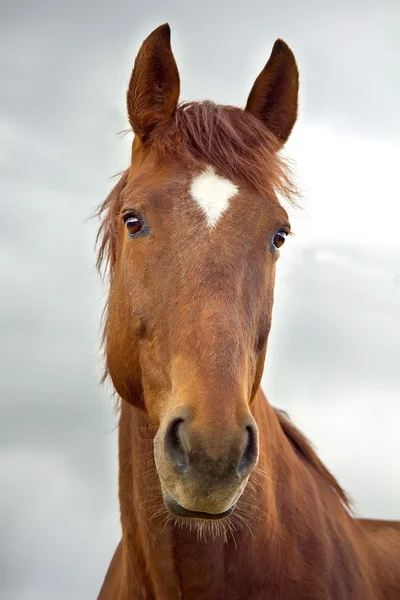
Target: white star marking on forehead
<point>212,193</point>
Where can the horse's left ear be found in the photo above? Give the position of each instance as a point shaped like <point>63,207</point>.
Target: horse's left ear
<point>153,90</point>
<point>274,95</point>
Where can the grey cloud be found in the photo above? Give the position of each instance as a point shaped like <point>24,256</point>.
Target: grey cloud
<point>343,299</point>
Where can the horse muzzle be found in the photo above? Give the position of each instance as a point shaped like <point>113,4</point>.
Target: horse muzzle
<point>204,471</point>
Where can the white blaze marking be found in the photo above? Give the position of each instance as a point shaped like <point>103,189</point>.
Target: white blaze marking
<point>212,193</point>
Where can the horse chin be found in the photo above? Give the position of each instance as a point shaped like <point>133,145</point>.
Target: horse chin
<point>177,510</point>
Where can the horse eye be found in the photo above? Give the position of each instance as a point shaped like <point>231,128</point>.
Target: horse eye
<point>279,238</point>
<point>133,224</point>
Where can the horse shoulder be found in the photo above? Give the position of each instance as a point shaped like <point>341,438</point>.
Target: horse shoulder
<point>384,545</point>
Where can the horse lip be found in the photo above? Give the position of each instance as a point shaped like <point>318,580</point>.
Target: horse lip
<point>179,511</point>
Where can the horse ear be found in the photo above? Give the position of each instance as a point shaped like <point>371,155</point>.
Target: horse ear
<point>274,95</point>
<point>153,90</point>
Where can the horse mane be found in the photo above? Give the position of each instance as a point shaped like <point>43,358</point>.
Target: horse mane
<point>228,138</point>
<point>304,447</point>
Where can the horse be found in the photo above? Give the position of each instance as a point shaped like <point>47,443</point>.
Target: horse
<point>221,496</point>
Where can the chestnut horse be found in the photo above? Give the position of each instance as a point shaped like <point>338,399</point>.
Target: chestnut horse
<point>221,496</point>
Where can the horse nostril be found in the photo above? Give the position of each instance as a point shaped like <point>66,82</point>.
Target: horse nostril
<point>250,452</point>
<point>173,446</point>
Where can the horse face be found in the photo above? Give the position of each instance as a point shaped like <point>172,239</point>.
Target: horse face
<point>192,282</point>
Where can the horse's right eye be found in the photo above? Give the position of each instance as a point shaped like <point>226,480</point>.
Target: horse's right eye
<point>133,223</point>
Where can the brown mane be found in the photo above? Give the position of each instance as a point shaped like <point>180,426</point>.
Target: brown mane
<point>232,140</point>
<point>304,447</point>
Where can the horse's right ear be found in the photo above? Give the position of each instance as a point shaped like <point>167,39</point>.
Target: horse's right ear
<point>153,90</point>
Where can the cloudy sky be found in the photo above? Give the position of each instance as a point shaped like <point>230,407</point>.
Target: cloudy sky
<point>333,359</point>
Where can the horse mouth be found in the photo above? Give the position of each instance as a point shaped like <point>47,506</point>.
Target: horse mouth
<point>179,511</point>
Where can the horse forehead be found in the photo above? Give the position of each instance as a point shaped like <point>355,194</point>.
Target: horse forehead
<point>212,193</point>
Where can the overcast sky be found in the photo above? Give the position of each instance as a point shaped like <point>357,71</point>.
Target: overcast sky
<point>334,354</point>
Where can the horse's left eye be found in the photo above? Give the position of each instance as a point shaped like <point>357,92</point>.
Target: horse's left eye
<point>279,238</point>
<point>133,224</point>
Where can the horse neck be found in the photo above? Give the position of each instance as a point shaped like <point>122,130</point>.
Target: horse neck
<point>280,505</point>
